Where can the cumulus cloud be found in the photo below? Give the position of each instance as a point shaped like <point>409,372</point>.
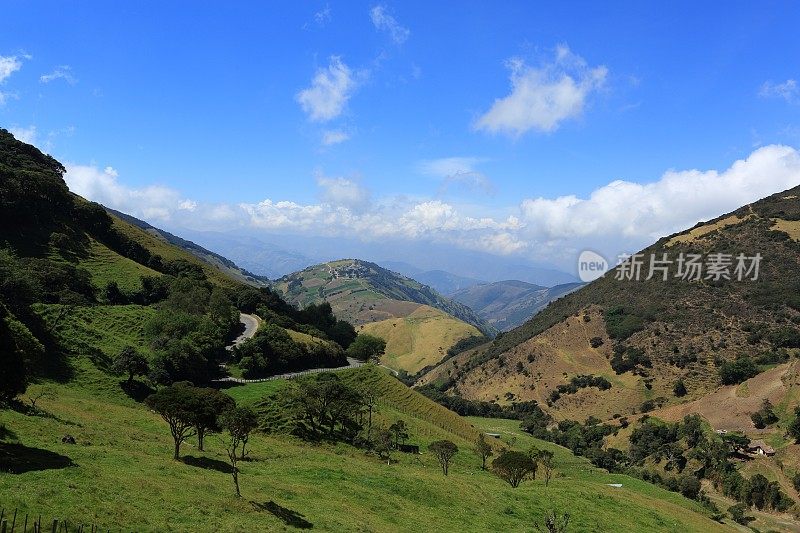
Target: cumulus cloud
<point>154,202</point>
<point>542,98</point>
<point>343,192</point>
<point>331,137</point>
<point>330,90</point>
<point>63,72</point>
<point>383,21</point>
<point>619,216</point>
<point>788,90</point>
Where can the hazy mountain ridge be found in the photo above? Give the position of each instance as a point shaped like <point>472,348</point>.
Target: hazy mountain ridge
<point>508,304</point>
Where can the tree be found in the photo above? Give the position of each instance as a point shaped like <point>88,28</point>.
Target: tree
<point>764,416</point>
<point>553,523</point>
<point>513,467</point>
<point>366,347</point>
<point>545,459</point>
<point>689,486</point>
<point>207,406</point>
<point>44,393</point>
<point>533,453</point>
<point>444,450</point>
<point>679,389</point>
<point>794,427</point>
<point>734,372</point>
<point>18,349</point>
<point>130,362</point>
<point>239,423</point>
<point>175,404</point>
<point>399,431</point>
<point>324,403</point>
<point>483,449</point>
<point>383,445</point>
<point>369,399</point>
<point>113,294</point>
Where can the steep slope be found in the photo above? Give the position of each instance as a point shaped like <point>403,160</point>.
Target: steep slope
<point>419,339</point>
<point>362,292</point>
<point>508,304</point>
<point>207,256</point>
<point>650,333</point>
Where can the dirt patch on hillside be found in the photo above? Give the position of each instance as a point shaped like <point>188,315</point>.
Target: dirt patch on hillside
<point>705,229</point>
<point>729,407</point>
<point>792,227</point>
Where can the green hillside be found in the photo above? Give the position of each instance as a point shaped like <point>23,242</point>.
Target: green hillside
<point>288,484</point>
<point>362,292</point>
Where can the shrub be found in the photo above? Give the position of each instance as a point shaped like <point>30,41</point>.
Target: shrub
<point>735,372</point>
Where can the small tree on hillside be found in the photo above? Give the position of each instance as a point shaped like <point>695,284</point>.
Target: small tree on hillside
<point>366,347</point>
<point>175,404</point>
<point>208,405</point>
<point>130,362</point>
<point>794,427</point>
<point>553,523</point>
<point>533,453</point>
<point>444,450</point>
<point>399,431</point>
<point>239,423</point>
<point>679,389</point>
<point>513,467</point>
<point>483,449</point>
<point>545,459</point>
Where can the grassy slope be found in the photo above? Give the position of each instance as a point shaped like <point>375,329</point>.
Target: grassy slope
<point>106,265</point>
<point>335,488</point>
<point>419,339</point>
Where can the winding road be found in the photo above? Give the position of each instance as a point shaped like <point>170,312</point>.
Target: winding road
<point>251,323</point>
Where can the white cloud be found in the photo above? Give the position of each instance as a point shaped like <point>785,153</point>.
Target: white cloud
<point>383,21</point>
<point>457,171</point>
<point>343,192</point>
<point>619,216</point>
<point>8,66</point>
<point>63,72</point>
<point>323,16</point>
<point>154,202</point>
<point>642,213</point>
<point>26,135</point>
<point>331,137</point>
<point>330,90</point>
<point>787,90</point>
<point>542,98</point>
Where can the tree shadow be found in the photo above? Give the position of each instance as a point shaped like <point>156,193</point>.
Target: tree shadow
<point>207,463</point>
<point>6,433</point>
<point>289,517</point>
<point>18,459</point>
<point>137,391</point>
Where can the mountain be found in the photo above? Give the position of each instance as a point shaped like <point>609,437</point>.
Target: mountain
<point>508,304</point>
<point>362,292</point>
<point>446,283</point>
<point>644,336</point>
<point>253,253</point>
<point>214,259</point>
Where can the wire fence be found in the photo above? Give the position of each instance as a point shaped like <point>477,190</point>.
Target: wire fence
<point>291,375</point>
<point>13,523</point>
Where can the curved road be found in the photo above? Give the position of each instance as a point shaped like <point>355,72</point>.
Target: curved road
<point>251,323</point>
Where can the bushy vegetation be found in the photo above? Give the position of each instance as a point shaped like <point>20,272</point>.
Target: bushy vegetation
<point>737,371</point>
<point>579,382</point>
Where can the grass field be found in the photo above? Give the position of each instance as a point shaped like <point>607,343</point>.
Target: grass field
<point>121,476</point>
<point>419,339</point>
<point>106,265</point>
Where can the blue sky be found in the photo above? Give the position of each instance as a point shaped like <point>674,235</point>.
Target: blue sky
<point>489,127</point>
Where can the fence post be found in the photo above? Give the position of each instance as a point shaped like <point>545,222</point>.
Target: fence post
<point>3,525</point>
<point>55,525</point>
<point>14,522</point>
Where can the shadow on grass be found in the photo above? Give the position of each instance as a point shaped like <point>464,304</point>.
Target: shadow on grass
<point>18,459</point>
<point>207,463</point>
<point>6,433</point>
<point>289,517</point>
